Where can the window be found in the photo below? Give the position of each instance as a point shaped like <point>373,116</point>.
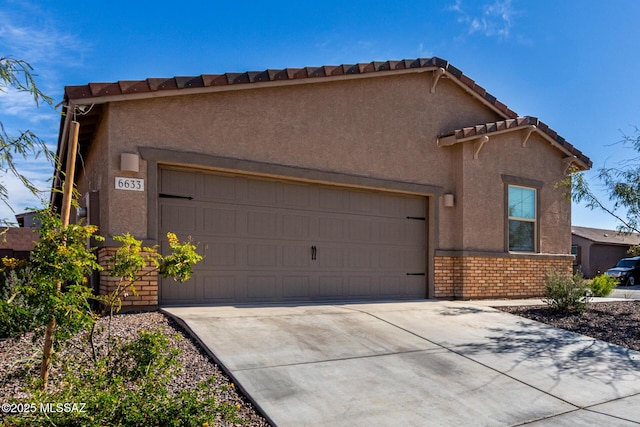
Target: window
<point>522,219</point>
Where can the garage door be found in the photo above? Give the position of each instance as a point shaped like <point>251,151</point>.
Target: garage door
<point>274,240</point>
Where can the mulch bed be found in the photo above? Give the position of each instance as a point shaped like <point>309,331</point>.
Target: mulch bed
<point>615,322</point>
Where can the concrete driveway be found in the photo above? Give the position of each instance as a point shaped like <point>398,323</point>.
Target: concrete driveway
<point>417,363</point>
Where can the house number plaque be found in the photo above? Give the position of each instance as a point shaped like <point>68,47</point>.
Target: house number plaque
<point>131,184</point>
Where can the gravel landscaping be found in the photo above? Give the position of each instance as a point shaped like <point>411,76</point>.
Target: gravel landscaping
<point>616,322</point>
<point>197,364</point>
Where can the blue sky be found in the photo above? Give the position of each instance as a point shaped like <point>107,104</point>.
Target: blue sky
<point>573,64</point>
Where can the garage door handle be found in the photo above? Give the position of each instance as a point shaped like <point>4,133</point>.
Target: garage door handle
<point>415,274</point>
<point>314,252</point>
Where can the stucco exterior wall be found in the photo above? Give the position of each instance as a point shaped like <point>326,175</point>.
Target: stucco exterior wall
<point>484,197</point>
<point>382,127</point>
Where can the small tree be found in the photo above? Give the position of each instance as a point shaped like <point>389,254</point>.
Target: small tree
<point>622,183</point>
<point>16,74</point>
<point>61,255</point>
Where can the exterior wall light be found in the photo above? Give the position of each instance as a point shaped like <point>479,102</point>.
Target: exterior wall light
<point>448,200</point>
<point>129,162</point>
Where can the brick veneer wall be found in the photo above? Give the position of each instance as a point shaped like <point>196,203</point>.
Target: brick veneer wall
<point>147,288</point>
<point>476,276</point>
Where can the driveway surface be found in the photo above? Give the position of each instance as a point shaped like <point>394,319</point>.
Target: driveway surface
<point>416,363</point>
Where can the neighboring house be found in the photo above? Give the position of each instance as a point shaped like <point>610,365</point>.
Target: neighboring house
<point>17,242</point>
<point>386,180</point>
<point>597,250</point>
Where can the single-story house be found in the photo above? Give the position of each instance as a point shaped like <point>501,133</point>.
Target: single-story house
<point>17,242</point>
<point>597,250</point>
<point>382,180</point>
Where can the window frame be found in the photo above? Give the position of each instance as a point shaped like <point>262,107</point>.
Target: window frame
<point>529,184</point>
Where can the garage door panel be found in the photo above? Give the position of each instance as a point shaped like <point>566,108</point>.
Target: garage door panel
<point>219,254</point>
<point>329,257</point>
<point>331,228</point>
<point>390,286</point>
<point>262,255</point>
<point>296,226</point>
<point>415,287</point>
<point>360,286</point>
<point>413,262</point>
<point>219,221</point>
<point>178,182</point>
<point>389,206</point>
<point>262,192</point>
<point>390,259</point>
<point>296,196</point>
<point>296,287</point>
<point>359,257</point>
<point>392,232</point>
<point>174,291</point>
<point>332,200</point>
<point>415,206</point>
<point>360,202</point>
<point>219,287</point>
<point>262,223</point>
<point>219,188</point>
<point>257,237</point>
<point>178,218</point>
<point>330,286</point>
<point>360,230</point>
<point>262,286</point>
<point>414,232</point>
<point>296,256</point>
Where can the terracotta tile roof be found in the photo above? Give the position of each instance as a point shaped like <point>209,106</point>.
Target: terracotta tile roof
<point>153,86</point>
<point>125,87</point>
<point>468,133</point>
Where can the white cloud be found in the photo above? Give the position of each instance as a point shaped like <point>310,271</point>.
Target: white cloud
<point>21,105</point>
<point>21,199</point>
<point>489,19</point>
<point>29,33</point>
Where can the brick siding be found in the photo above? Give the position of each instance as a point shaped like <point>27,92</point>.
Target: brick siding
<point>484,276</point>
<point>147,287</point>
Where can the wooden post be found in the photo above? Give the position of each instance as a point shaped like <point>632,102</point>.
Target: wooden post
<point>67,196</point>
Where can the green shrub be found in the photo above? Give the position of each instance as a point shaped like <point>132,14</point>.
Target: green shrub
<point>127,387</point>
<point>602,285</point>
<point>16,315</point>
<point>566,293</point>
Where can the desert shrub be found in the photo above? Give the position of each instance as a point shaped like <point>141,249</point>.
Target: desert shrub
<point>127,387</point>
<point>16,315</point>
<point>565,292</point>
<point>602,285</point>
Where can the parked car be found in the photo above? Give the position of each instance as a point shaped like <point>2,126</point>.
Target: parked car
<point>627,271</point>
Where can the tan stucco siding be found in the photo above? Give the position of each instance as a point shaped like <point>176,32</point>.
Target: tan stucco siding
<point>383,127</point>
<point>484,199</point>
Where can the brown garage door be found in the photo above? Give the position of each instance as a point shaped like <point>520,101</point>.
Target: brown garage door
<point>270,240</point>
